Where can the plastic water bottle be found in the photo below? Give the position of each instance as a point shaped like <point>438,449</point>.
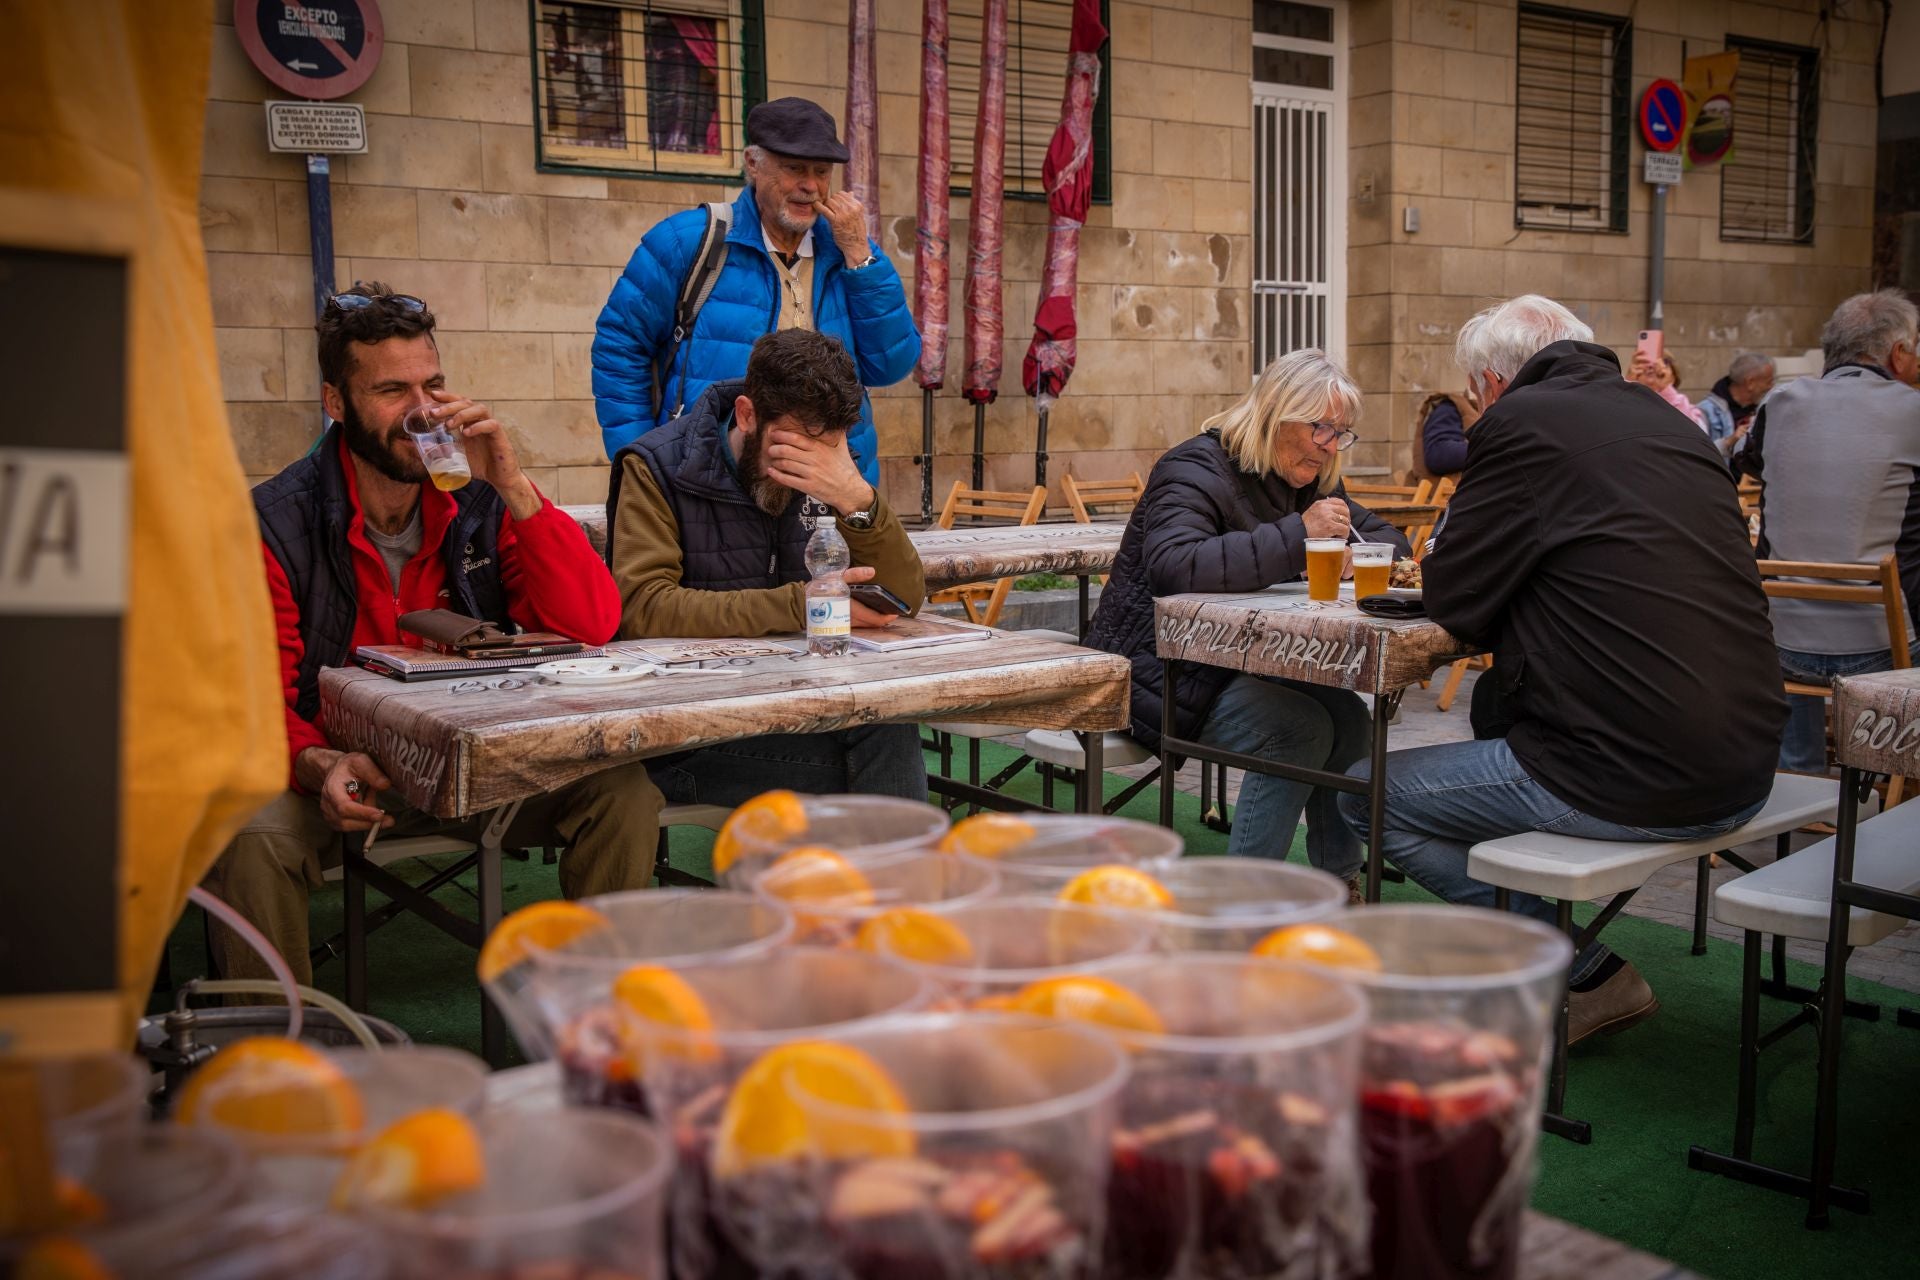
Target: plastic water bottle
<point>829,606</point>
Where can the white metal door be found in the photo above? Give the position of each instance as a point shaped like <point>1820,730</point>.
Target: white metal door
<point>1299,177</point>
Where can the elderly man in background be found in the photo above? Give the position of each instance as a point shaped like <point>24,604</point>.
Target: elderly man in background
<point>1841,460</point>
<point>1727,410</point>
<point>794,255</point>
<point>1595,545</point>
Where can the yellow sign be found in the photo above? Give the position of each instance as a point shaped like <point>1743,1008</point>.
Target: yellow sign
<point>1709,85</point>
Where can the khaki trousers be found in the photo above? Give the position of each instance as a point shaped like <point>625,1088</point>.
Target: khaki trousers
<point>608,824</point>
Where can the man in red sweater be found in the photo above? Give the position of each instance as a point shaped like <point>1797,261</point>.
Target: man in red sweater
<point>356,535</point>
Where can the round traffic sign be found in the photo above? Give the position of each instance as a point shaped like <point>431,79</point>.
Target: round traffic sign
<point>1663,115</point>
<point>315,48</point>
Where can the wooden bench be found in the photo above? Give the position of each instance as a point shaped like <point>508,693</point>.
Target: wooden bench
<point>1569,870</point>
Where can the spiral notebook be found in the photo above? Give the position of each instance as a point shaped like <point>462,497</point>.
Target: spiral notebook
<point>410,662</point>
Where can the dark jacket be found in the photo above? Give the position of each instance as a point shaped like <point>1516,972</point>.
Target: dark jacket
<point>1595,544</point>
<point>304,515</point>
<point>1202,525</point>
<point>693,555</point>
<point>1443,439</point>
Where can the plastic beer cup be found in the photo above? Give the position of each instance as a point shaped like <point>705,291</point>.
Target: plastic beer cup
<point>440,449</point>
<point>1372,566</point>
<point>1325,558</point>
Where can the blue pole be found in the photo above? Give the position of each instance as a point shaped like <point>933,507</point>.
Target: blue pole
<point>320,235</point>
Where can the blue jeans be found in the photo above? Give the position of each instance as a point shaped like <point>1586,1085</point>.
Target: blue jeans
<point>1294,723</point>
<point>1441,801</point>
<point>1804,747</point>
<point>875,759</point>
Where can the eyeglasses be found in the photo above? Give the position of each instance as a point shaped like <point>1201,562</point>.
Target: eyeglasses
<point>1341,437</point>
<point>361,301</point>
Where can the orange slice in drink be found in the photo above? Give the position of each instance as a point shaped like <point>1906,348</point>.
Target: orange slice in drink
<point>413,1164</point>
<point>913,934</point>
<point>544,924</point>
<point>987,835</point>
<point>272,1087</point>
<point>814,875</point>
<point>61,1258</point>
<point>660,995</point>
<point>1127,888</point>
<point>1083,998</point>
<point>1318,944</point>
<point>771,1114</point>
<point>773,817</point>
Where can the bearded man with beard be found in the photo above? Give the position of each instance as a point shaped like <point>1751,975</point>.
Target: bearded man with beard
<point>707,537</point>
<point>356,536</point>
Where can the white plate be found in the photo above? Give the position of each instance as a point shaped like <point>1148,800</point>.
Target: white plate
<point>595,670</point>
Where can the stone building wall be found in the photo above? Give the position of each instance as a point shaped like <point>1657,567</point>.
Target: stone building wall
<point>517,263</point>
<point>1433,121</point>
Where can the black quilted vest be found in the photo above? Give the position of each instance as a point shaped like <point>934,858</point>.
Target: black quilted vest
<point>304,513</point>
<point>726,542</point>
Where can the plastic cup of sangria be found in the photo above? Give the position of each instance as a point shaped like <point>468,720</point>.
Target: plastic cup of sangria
<point>1462,1003</point>
<point>302,1113</point>
<point>834,900</point>
<point>1230,904</point>
<point>1011,954</point>
<point>1234,1155</point>
<point>960,1146</point>
<point>128,1192</point>
<point>549,967</point>
<point>858,828</point>
<point>691,1032</point>
<point>1040,853</point>
<point>251,1240</point>
<point>575,1193</point>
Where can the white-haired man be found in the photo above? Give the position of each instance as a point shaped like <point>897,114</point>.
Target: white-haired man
<point>1727,410</point>
<point>1595,545</point>
<point>795,255</point>
<point>1841,459</point>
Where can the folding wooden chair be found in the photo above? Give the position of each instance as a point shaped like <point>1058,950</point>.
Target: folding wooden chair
<point>1084,495</point>
<point>1366,492</point>
<point>1750,505</point>
<point>984,601</point>
<point>1846,584</point>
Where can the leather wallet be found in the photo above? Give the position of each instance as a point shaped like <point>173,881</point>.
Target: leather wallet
<point>478,638</point>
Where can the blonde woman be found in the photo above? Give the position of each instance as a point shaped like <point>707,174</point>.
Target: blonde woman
<point>1231,510</point>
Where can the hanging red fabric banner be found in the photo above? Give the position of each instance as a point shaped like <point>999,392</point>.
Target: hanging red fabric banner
<point>936,167</point>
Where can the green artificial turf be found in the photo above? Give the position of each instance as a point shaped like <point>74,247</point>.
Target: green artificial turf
<point>1649,1093</point>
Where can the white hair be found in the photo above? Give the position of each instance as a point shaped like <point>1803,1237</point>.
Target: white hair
<point>1865,328</point>
<point>1746,364</point>
<point>1507,334</point>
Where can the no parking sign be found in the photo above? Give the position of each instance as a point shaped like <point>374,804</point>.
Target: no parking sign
<point>323,49</point>
<point>1663,115</point>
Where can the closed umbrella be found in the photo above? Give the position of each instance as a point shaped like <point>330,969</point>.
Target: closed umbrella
<point>930,243</point>
<point>863,123</point>
<point>1067,175</point>
<point>985,230</point>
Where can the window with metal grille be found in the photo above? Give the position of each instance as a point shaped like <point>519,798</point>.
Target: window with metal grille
<point>1766,181</point>
<point>1571,89</point>
<point>1037,33</point>
<point>644,87</point>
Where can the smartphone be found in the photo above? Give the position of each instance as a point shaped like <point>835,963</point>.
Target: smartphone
<point>879,599</point>
<point>1652,345</point>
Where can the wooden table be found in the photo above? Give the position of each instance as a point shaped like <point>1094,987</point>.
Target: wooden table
<point>1279,632</point>
<point>457,748</point>
<point>1405,515</point>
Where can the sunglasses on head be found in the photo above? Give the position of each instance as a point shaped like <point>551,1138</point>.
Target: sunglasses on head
<point>361,301</point>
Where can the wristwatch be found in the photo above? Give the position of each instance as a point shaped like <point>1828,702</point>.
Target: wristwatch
<point>858,520</point>
<point>859,266</point>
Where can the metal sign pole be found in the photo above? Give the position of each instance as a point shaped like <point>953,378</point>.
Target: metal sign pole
<point>320,236</point>
<point>1657,257</point>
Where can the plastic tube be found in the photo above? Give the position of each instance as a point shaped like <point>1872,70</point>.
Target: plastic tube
<point>320,999</point>
<point>296,1012</point>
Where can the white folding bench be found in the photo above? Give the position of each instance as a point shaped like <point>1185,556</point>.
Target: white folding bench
<point>1793,898</point>
<point>1567,870</point>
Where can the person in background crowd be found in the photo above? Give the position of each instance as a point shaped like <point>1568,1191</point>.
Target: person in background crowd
<point>1663,377</point>
<point>1840,460</point>
<point>706,539</point>
<point>1440,441</point>
<point>356,535</point>
<point>1595,545</point>
<point>1231,510</point>
<point>798,257</point>
<point>1727,410</point>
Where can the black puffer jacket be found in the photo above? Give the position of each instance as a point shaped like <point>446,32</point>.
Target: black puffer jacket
<point>1202,525</point>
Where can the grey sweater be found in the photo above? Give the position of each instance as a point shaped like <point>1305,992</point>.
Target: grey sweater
<point>1840,458</point>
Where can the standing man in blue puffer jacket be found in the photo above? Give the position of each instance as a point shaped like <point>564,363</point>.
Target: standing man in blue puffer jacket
<point>797,257</point>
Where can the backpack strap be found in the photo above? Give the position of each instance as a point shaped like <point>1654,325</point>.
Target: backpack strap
<point>702,273</point>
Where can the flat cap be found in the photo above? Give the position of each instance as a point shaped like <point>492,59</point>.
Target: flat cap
<point>795,127</point>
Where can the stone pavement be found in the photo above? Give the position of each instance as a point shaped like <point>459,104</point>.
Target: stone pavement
<point>1668,897</point>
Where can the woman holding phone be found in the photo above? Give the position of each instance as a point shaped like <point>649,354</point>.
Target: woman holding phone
<point>1231,510</point>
